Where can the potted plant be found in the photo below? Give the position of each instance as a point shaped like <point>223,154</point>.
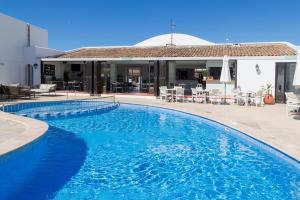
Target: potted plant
<point>205,74</point>
<point>268,97</point>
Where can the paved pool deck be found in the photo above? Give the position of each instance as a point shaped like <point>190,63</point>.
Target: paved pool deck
<point>269,124</point>
<point>16,131</point>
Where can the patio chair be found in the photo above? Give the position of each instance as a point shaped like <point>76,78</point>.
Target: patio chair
<point>2,91</point>
<point>292,102</point>
<point>201,94</point>
<point>25,91</point>
<point>175,87</point>
<point>238,96</point>
<point>13,90</point>
<point>144,87</point>
<point>163,92</point>
<point>5,91</point>
<point>257,99</point>
<point>215,96</point>
<point>194,94</point>
<point>45,88</point>
<point>179,94</point>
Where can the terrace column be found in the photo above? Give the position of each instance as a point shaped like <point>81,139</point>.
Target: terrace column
<point>93,82</point>
<point>113,73</point>
<point>172,72</point>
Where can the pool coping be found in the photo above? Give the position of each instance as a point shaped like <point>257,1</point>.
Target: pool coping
<point>33,130</point>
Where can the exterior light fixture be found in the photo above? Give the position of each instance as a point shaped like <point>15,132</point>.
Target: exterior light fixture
<point>35,65</point>
<point>257,68</point>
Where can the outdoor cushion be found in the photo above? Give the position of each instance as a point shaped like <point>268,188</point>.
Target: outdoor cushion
<point>47,86</point>
<point>44,88</point>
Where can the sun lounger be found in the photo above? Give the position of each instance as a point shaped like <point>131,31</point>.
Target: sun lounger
<point>292,102</point>
<point>45,88</point>
<point>16,91</point>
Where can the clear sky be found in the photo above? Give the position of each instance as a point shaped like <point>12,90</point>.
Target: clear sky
<point>76,23</point>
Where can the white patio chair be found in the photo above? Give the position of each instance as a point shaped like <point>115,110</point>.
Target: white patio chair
<point>247,97</point>
<point>240,98</point>
<point>199,89</point>
<point>175,87</point>
<point>45,88</point>
<point>236,92</point>
<point>292,102</point>
<point>179,94</point>
<point>215,96</point>
<point>257,99</point>
<point>194,94</point>
<point>163,92</point>
<point>201,94</point>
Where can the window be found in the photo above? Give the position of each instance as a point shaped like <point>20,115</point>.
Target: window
<point>75,67</point>
<point>49,70</point>
<point>215,73</point>
<point>185,74</point>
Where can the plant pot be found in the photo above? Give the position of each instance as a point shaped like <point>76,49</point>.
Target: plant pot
<point>269,99</point>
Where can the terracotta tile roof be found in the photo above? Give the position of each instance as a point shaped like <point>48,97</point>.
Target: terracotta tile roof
<point>278,49</point>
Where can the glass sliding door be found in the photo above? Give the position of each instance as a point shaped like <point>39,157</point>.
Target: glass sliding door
<point>279,86</point>
<point>284,80</point>
<point>151,77</point>
<point>290,72</point>
<point>103,77</point>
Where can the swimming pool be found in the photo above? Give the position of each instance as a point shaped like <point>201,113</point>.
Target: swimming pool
<point>140,152</point>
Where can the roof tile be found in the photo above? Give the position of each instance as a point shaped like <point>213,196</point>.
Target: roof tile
<point>278,49</point>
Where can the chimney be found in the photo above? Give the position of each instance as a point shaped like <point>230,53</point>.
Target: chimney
<point>28,35</point>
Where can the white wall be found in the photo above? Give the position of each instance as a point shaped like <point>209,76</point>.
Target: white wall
<point>32,56</point>
<point>39,36</point>
<point>250,80</point>
<point>15,54</point>
<point>12,40</point>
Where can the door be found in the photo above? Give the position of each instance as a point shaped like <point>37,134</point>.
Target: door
<point>284,80</point>
<point>134,78</point>
<point>280,82</point>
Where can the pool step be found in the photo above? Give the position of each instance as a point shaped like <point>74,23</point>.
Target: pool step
<point>71,113</point>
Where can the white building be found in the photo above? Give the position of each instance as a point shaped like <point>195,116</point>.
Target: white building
<point>169,59</point>
<point>173,59</point>
<point>21,47</point>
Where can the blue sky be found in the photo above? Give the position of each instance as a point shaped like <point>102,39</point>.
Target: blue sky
<point>77,23</point>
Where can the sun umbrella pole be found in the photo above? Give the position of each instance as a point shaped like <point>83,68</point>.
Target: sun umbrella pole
<point>225,93</point>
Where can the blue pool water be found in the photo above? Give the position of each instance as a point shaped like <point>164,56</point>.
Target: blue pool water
<point>138,152</point>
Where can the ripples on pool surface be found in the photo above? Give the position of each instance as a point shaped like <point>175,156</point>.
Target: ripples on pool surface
<point>137,152</point>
